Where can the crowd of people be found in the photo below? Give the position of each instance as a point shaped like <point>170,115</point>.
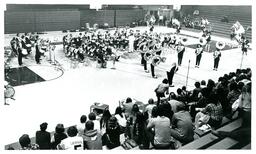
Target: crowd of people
<point>160,124</point>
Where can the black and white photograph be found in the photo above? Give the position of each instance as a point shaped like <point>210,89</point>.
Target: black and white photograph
<point>126,75</point>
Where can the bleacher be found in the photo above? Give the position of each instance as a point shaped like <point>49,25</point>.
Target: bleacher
<point>215,14</point>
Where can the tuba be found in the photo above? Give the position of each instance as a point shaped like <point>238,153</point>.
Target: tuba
<point>156,60</point>
<point>148,55</point>
<point>220,45</point>
<point>202,41</point>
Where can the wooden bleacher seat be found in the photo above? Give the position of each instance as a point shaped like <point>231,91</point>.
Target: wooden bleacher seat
<point>224,144</point>
<point>202,142</point>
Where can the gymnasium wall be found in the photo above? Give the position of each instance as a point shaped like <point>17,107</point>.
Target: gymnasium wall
<point>29,21</point>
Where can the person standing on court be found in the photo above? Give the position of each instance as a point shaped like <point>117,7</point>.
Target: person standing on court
<point>180,50</point>
<point>171,73</point>
<point>199,52</point>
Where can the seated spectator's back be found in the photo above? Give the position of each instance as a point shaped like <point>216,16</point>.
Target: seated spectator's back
<point>43,138</point>
<point>92,138</point>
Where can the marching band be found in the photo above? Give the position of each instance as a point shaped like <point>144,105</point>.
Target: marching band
<point>107,45</point>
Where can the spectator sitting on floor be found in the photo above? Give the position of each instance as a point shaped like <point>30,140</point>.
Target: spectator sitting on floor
<point>112,136</point>
<point>25,143</point>
<point>81,125</point>
<point>161,138</point>
<point>92,138</point>
<point>92,117</point>
<point>58,136</point>
<point>43,138</point>
<point>174,103</point>
<point>182,126</point>
<point>72,142</point>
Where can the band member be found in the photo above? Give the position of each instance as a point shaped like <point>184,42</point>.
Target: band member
<point>208,41</point>
<point>180,49</point>
<point>171,73</point>
<point>143,47</point>
<point>199,52</point>
<point>152,67</point>
<point>14,46</point>
<point>38,53</point>
<point>245,45</point>
<point>131,42</point>
<point>28,43</point>
<point>19,50</point>
<point>217,54</point>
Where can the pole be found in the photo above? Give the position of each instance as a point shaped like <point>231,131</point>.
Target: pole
<point>188,72</point>
<point>242,60</point>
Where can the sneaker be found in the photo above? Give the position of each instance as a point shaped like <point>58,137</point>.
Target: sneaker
<point>147,71</point>
<point>155,77</point>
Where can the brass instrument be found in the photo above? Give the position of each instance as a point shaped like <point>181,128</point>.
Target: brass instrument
<point>220,45</point>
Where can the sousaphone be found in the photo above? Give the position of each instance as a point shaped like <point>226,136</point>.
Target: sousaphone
<point>202,41</point>
<point>220,45</point>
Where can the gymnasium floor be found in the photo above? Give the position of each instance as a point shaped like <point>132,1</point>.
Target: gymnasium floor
<point>63,95</point>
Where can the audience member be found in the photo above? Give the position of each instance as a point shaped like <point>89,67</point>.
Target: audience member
<point>58,136</point>
<point>120,118</point>
<point>92,138</point>
<point>161,90</point>
<point>81,125</point>
<point>25,143</point>
<point>161,137</point>
<point>92,117</point>
<point>182,126</point>
<point>112,135</point>
<point>150,106</point>
<point>43,138</point>
<point>72,142</point>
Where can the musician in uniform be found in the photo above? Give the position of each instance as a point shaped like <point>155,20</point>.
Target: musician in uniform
<point>19,50</point>
<point>180,49</point>
<point>199,52</point>
<point>28,43</point>
<point>217,54</point>
<point>245,45</point>
<point>171,73</point>
<point>14,46</point>
<point>38,53</point>
<point>208,41</point>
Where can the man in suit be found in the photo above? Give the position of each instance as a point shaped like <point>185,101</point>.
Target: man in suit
<point>43,138</point>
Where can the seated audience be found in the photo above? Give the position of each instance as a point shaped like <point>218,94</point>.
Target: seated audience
<point>150,106</point>
<point>128,106</point>
<point>72,142</point>
<point>182,126</point>
<point>25,143</point>
<point>120,118</point>
<point>92,117</point>
<point>212,114</point>
<point>92,138</point>
<point>43,138</point>
<point>140,131</point>
<point>112,135</point>
<point>58,136</point>
<point>161,137</point>
<point>81,125</point>
<point>174,103</point>
<point>104,120</point>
